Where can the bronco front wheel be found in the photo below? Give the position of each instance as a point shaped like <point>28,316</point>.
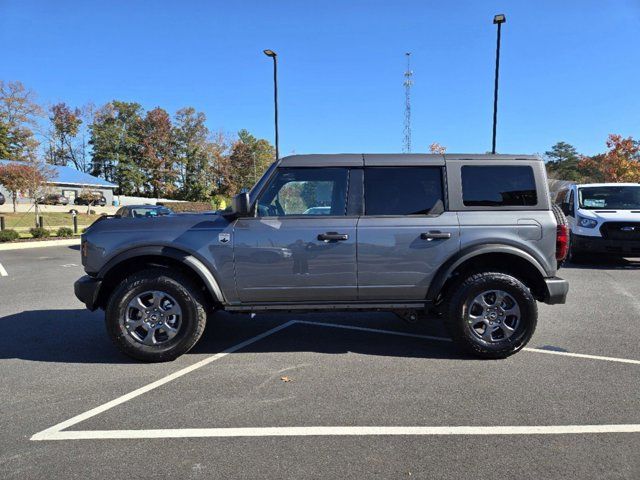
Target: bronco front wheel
<point>155,315</point>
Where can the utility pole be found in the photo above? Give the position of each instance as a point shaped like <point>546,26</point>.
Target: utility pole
<point>497,20</point>
<point>408,81</point>
<point>274,56</point>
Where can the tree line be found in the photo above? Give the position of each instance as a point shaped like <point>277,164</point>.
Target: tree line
<point>155,154</point>
<point>619,163</point>
<point>146,153</point>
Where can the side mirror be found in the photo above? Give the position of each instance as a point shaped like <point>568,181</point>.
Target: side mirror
<point>240,204</point>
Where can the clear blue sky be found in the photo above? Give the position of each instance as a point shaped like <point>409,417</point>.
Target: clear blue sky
<point>570,70</point>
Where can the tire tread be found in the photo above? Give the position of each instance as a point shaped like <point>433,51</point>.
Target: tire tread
<point>177,280</point>
<point>455,324</point>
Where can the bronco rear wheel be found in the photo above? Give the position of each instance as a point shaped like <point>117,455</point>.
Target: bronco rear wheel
<point>155,315</point>
<point>492,315</point>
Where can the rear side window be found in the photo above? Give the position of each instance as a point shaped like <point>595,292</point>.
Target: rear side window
<point>402,190</point>
<point>498,186</point>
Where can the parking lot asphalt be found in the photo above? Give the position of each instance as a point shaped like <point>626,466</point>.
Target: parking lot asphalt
<point>319,370</point>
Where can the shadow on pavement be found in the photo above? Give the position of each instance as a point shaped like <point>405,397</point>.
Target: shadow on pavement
<point>605,262</point>
<point>79,336</point>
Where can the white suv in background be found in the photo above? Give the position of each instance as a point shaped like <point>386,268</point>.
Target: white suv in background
<point>603,218</point>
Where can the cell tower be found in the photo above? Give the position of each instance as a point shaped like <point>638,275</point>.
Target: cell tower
<point>408,81</point>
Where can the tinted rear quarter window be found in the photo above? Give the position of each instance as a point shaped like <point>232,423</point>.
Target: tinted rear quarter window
<point>402,190</point>
<point>498,186</point>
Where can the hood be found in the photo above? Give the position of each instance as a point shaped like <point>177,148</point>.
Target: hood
<point>175,222</point>
<point>612,215</point>
<point>110,236</point>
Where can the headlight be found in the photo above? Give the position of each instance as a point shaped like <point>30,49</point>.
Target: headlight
<point>587,222</point>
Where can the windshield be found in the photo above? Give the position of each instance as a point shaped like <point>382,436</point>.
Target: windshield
<point>612,198</point>
<point>149,212</point>
<point>258,186</point>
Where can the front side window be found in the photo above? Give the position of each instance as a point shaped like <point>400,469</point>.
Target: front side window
<point>305,191</point>
<point>498,186</point>
<point>403,190</point>
<point>624,197</point>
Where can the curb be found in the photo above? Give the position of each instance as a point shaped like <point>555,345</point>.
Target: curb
<point>45,243</point>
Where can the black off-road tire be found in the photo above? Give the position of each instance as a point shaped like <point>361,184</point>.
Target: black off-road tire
<point>575,257</point>
<point>456,310</point>
<point>186,294</point>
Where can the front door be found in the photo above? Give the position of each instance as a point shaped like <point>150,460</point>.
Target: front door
<point>405,234</point>
<point>300,246</point>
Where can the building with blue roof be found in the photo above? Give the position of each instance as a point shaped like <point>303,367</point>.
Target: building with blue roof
<point>69,182</point>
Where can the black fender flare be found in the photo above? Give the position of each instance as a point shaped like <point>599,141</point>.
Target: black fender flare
<point>466,254</point>
<point>187,259</point>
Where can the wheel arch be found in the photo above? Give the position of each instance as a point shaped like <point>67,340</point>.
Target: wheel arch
<point>135,259</point>
<point>495,257</point>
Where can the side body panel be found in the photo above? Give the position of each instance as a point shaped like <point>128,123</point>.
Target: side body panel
<point>530,228</point>
<point>281,259</point>
<point>533,232</point>
<point>394,262</point>
<point>195,235</point>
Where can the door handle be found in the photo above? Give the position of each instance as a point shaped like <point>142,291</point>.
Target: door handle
<point>435,235</point>
<point>333,237</point>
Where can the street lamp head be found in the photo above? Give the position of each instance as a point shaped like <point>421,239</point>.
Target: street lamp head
<point>500,18</point>
<point>270,53</point>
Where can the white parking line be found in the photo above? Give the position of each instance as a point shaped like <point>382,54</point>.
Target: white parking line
<point>446,339</point>
<point>374,330</point>
<point>136,393</point>
<point>56,432</point>
<point>3,271</point>
<point>583,355</point>
<point>340,431</point>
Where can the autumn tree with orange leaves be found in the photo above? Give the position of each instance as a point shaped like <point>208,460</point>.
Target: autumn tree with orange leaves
<point>435,147</point>
<point>621,163</point>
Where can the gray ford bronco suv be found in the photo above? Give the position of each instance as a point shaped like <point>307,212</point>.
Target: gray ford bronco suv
<point>472,237</point>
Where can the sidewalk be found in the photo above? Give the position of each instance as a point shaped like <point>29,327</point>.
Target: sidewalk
<point>39,244</point>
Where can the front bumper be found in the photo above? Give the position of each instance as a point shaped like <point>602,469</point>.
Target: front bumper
<point>584,244</point>
<point>86,289</point>
<point>556,290</point>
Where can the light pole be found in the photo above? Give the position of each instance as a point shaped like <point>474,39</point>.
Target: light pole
<point>274,55</point>
<point>497,20</point>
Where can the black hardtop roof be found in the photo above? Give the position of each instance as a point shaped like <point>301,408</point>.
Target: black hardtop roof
<point>407,159</point>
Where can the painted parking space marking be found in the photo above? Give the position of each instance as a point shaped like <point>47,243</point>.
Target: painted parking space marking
<point>446,339</point>
<point>583,355</point>
<point>58,432</point>
<point>3,271</point>
<point>341,431</point>
<point>152,386</point>
<point>373,330</point>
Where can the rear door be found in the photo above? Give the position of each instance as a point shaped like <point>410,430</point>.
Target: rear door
<point>406,233</point>
<point>301,246</point>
